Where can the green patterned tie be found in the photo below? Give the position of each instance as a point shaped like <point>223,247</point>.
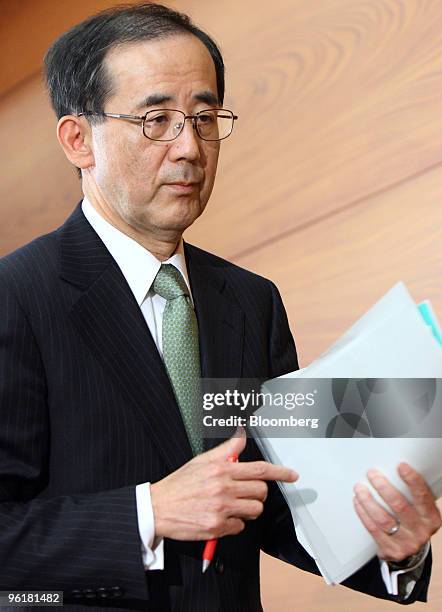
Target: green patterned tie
<point>181,350</point>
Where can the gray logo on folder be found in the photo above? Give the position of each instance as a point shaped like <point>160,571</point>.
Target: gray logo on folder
<point>380,407</point>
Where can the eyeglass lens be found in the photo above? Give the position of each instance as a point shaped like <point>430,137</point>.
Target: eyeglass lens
<point>167,124</point>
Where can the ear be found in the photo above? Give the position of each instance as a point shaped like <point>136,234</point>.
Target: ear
<point>75,136</point>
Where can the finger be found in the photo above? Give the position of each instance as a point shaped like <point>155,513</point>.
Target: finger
<point>233,446</point>
<point>220,528</point>
<point>247,509</point>
<point>262,470</point>
<point>398,503</point>
<point>250,489</point>
<point>383,519</point>
<point>233,526</point>
<point>387,546</point>
<point>423,498</point>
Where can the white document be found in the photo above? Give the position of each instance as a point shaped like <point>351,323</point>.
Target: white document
<point>390,341</point>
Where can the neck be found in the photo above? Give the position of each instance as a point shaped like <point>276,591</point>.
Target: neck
<point>161,244</point>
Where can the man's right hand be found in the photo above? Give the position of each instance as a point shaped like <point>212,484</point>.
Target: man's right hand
<point>210,497</point>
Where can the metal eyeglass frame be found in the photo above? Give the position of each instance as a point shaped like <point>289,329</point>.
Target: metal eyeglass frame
<point>142,119</point>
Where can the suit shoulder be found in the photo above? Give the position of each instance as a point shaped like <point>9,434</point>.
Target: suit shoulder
<point>30,263</point>
<point>234,271</point>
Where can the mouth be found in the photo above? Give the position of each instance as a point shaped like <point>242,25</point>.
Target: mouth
<point>182,187</point>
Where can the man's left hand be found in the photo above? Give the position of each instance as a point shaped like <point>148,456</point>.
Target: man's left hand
<point>418,520</point>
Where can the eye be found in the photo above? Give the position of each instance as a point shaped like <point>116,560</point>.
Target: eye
<point>158,119</point>
<point>206,118</point>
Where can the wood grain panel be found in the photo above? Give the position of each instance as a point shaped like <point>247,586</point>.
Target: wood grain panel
<point>337,100</point>
<point>330,272</point>
<point>28,27</point>
<point>39,187</point>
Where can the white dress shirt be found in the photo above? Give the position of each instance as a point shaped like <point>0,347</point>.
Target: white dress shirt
<point>139,267</point>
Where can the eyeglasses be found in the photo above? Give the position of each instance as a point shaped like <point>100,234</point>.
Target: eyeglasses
<point>166,124</point>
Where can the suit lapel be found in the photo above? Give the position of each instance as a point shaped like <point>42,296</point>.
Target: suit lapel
<point>220,321</point>
<point>111,323</point>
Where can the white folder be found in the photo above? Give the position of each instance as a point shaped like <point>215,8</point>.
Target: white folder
<point>390,341</point>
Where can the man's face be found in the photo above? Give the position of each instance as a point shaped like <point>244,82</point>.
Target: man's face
<point>132,173</point>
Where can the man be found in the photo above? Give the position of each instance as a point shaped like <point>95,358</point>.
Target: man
<point>107,323</point>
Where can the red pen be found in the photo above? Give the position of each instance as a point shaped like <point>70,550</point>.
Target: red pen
<point>210,547</point>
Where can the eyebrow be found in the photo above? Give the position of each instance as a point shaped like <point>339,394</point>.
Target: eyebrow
<point>156,98</point>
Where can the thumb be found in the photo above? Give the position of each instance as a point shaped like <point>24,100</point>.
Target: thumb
<point>234,446</point>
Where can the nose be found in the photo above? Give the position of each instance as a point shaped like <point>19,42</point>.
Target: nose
<point>188,144</point>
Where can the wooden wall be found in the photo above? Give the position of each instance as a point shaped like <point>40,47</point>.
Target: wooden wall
<point>330,185</point>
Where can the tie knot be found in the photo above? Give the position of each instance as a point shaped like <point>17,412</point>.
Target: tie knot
<point>169,282</point>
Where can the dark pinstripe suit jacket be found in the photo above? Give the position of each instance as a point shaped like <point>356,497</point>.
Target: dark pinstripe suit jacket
<point>87,412</point>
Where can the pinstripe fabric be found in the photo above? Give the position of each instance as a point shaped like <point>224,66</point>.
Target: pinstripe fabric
<point>87,412</point>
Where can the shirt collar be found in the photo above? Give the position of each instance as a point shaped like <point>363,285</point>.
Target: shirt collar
<point>138,265</point>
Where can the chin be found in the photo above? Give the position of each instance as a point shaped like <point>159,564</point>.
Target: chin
<point>183,217</point>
